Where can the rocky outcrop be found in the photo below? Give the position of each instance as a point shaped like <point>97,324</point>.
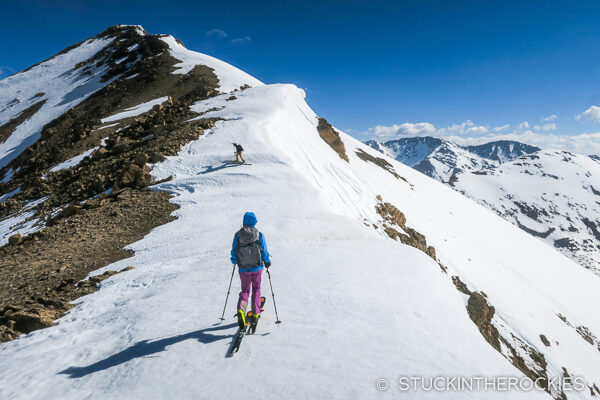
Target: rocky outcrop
<point>393,219</point>
<point>134,176</point>
<point>380,162</point>
<point>332,138</point>
<point>481,313</point>
<point>49,264</point>
<point>15,239</point>
<point>31,315</point>
<point>545,340</point>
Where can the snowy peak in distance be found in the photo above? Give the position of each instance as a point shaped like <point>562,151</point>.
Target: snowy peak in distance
<point>409,151</point>
<point>502,150</point>
<point>440,159</point>
<point>550,194</point>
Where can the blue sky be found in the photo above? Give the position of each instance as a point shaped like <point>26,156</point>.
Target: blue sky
<point>464,69</point>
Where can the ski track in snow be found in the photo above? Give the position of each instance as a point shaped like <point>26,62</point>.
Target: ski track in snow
<point>355,305</point>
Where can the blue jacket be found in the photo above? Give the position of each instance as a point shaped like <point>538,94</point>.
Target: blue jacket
<point>250,220</point>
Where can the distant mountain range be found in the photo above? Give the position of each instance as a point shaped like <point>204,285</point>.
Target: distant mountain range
<point>553,195</point>
<point>441,159</point>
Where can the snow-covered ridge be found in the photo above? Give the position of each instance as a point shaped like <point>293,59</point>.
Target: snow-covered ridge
<point>36,98</point>
<point>230,77</point>
<point>67,79</point>
<point>347,294</point>
<point>58,83</point>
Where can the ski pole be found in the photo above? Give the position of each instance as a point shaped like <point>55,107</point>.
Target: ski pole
<point>273,294</point>
<point>228,290</point>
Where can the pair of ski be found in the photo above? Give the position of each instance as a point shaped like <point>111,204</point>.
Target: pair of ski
<point>237,162</point>
<point>249,329</point>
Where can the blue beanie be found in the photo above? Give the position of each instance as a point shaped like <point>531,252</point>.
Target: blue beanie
<point>250,219</point>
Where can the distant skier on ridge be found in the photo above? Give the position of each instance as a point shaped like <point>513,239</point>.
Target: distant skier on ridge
<point>238,152</point>
<point>249,252</point>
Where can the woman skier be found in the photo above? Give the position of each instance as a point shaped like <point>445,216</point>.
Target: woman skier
<point>249,252</point>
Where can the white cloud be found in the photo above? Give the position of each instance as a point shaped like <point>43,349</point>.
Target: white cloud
<point>584,143</point>
<point>545,127</point>
<point>426,129</point>
<point>240,41</point>
<point>467,133</point>
<point>552,117</point>
<point>217,32</point>
<point>405,129</point>
<point>465,128</point>
<point>591,114</point>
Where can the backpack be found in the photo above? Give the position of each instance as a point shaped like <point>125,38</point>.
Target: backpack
<point>248,248</point>
<point>239,148</point>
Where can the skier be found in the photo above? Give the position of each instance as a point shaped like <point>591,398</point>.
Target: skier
<point>238,152</point>
<point>249,252</point>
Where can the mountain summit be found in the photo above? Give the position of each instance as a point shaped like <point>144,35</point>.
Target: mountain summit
<point>379,271</point>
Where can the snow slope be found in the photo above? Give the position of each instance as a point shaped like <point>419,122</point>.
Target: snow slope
<point>552,194</point>
<point>59,82</point>
<point>356,306</point>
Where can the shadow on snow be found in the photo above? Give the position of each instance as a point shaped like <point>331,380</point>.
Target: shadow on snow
<point>224,164</point>
<point>146,348</point>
